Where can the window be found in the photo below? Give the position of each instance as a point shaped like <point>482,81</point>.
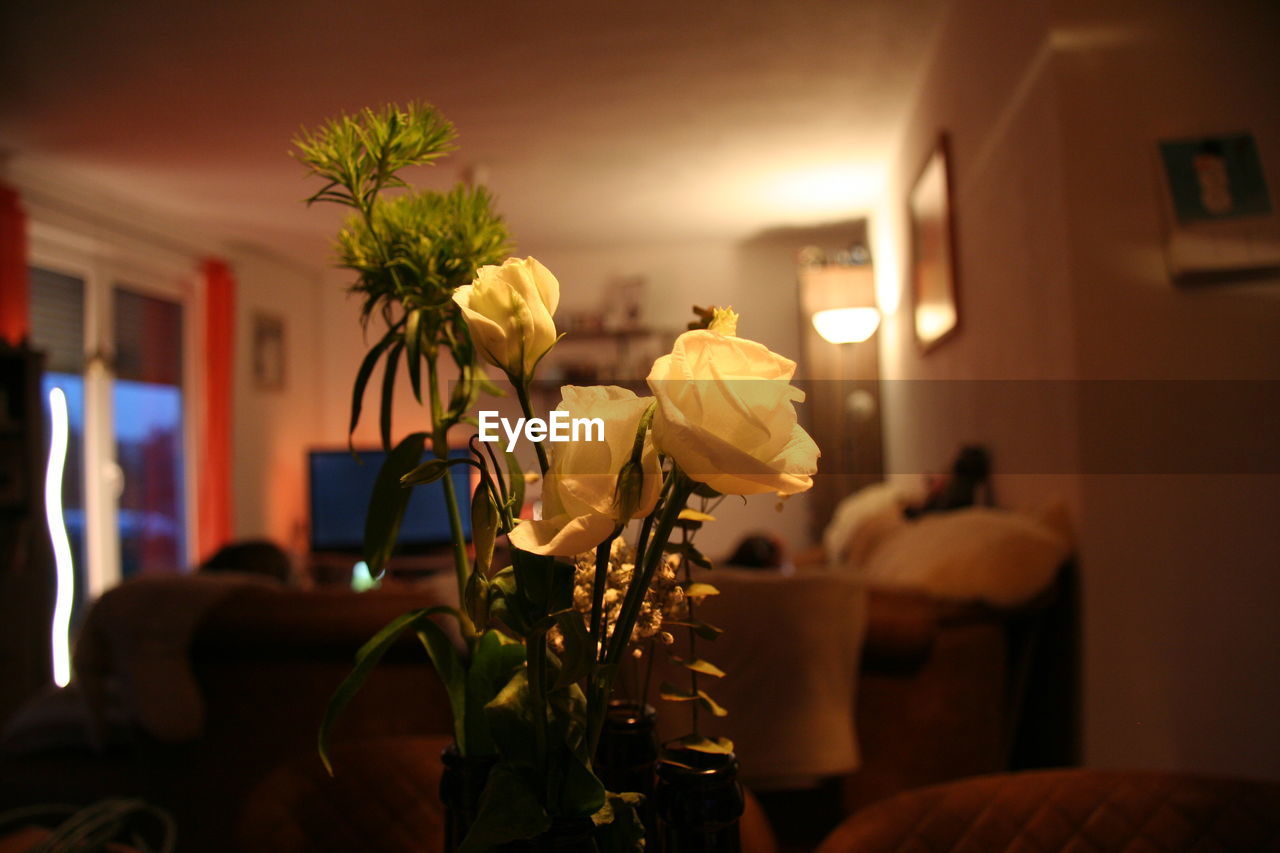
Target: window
<point>115,334</point>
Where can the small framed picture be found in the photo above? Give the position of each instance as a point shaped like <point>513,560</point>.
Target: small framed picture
<point>268,352</point>
<point>1220,222</point>
<point>933,281</point>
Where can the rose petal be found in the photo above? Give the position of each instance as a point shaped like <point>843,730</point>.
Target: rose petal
<point>562,536</point>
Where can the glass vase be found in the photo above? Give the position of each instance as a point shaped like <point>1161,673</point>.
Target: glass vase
<point>461,783</point>
<point>628,751</point>
<point>698,802</point>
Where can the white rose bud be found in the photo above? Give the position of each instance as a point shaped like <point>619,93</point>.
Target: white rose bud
<point>508,309</point>
<point>726,415</point>
<point>580,506</point>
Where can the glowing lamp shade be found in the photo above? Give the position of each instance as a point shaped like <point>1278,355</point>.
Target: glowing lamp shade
<point>846,325</point>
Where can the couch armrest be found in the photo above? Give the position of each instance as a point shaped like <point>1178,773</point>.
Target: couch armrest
<point>287,623</point>
<point>901,631</point>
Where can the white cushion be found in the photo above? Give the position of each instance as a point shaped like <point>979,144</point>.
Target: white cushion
<point>861,522</point>
<point>999,557</point>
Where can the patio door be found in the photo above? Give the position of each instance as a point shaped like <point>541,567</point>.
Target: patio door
<point>116,338</point>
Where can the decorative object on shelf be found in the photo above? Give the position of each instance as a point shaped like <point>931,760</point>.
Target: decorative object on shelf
<point>1220,222</point>
<point>934,302</point>
<point>542,639</point>
<point>629,296</point>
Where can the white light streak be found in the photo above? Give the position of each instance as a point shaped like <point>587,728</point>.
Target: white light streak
<point>61,638</point>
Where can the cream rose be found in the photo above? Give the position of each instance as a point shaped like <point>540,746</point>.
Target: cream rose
<point>508,309</point>
<point>726,414</point>
<point>579,494</point>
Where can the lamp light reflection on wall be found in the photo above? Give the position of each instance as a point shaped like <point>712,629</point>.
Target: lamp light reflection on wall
<point>66,588</point>
<point>847,325</point>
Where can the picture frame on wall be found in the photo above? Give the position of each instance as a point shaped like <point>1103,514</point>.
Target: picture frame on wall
<point>1220,222</point>
<point>933,280</point>
<point>268,352</point>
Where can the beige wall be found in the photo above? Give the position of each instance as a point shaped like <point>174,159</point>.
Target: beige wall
<point>1182,584</point>
<point>272,429</point>
<point>998,380</point>
<point>1054,111</point>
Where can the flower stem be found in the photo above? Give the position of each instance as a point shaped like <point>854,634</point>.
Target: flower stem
<point>679,491</point>
<point>537,653</point>
<point>522,393</point>
<point>597,695</point>
<point>440,446</point>
<point>603,551</point>
<point>693,634</point>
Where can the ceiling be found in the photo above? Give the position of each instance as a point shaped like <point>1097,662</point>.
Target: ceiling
<point>595,123</point>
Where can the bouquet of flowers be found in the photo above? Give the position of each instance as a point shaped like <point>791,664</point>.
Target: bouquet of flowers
<point>542,638</point>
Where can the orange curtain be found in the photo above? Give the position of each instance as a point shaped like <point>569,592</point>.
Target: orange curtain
<point>214,474</point>
<point>15,322</point>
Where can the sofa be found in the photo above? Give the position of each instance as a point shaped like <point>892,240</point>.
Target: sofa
<point>265,661</point>
<point>939,687</point>
<point>1060,811</point>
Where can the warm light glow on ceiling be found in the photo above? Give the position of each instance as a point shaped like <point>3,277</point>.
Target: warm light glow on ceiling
<point>827,191</point>
<point>847,325</point>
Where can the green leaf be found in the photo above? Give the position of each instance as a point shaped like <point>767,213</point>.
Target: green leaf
<point>688,514</point>
<point>388,502</point>
<point>505,604</point>
<point>705,667</point>
<point>705,700</point>
<point>366,659</point>
<point>672,693</point>
<point>695,556</point>
<point>581,793</point>
<point>430,471</point>
<point>698,743</point>
<point>688,552</point>
<point>509,810</point>
<point>618,825</point>
<point>510,722</point>
<point>362,379</point>
<point>578,655</point>
<point>453,673</point>
<point>705,630</point>
<point>699,590</point>
<point>388,387</point>
<point>413,349</point>
<point>545,584</point>
<point>495,658</point>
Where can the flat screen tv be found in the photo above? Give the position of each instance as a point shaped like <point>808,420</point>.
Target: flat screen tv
<point>339,488</point>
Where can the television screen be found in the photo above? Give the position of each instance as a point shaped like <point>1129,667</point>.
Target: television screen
<point>339,492</point>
